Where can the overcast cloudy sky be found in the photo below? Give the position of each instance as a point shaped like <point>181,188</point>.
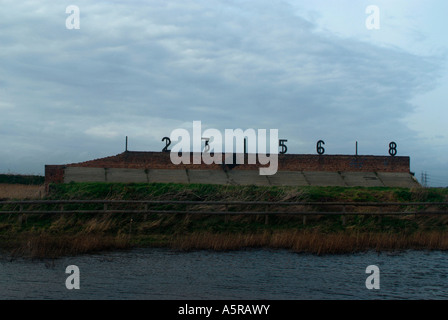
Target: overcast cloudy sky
<point>311,69</point>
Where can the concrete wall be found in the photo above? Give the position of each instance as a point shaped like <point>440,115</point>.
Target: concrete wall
<point>293,169</point>
<point>242,177</point>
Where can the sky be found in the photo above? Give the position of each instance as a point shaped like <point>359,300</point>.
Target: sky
<point>311,69</point>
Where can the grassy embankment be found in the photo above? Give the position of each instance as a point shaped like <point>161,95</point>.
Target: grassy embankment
<point>52,236</point>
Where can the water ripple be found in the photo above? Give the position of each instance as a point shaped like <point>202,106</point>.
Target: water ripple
<point>249,274</point>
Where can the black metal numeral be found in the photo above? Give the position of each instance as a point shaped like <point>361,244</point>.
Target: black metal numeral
<point>281,143</point>
<point>319,148</point>
<point>392,148</point>
<point>168,142</point>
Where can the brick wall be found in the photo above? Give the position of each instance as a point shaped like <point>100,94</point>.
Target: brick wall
<point>298,162</point>
<point>54,174</point>
<point>286,162</point>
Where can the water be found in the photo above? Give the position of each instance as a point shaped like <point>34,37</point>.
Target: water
<point>250,274</point>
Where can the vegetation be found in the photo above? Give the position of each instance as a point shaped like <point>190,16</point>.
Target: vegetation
<point>54,235</point>
<point>172,191</point>
<point>22,179</point>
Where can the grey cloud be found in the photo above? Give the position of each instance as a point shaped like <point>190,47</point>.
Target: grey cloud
<point>229,64</point>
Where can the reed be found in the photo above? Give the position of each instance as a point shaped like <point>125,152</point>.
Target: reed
<point>96,235</point>
<point>21,191</point>
<point>48,246</point>
<point>314,242</point>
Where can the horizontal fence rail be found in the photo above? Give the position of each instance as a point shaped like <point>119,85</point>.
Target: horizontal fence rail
<point>222,207</point>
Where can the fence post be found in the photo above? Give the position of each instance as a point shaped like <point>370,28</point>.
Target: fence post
<point>20,216</point>
<point>343,215</point>
<point>304,219</point>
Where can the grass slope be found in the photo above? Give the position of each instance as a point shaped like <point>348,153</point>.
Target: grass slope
<point>52,236</point>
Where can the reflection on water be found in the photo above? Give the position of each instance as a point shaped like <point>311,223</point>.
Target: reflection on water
<point>248,274</point>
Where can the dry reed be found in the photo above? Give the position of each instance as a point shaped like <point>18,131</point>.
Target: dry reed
<point>21,191</point>
<point>314,242</point>
<point>47,246</point>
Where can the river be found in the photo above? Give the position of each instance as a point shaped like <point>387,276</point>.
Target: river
<point>163,274</point>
